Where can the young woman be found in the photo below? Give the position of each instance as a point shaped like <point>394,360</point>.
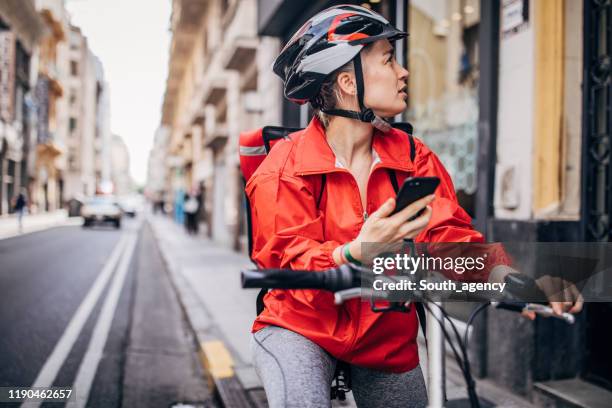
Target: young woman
<point>318,196</point>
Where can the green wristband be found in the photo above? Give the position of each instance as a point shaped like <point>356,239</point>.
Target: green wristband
<point>348,256</point>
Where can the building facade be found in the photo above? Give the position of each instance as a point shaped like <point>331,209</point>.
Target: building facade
<point>54,115</point>
<point>120,167</point>
<point>47,189</point>
<point>21,28</point>
<point>82,89</point>
<point>218,85</point>
<point>157,174</point>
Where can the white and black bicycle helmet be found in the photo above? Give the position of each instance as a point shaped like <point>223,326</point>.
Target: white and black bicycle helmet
<point>326,42</point>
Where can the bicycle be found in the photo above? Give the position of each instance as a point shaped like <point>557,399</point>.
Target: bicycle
<point>345,282</point>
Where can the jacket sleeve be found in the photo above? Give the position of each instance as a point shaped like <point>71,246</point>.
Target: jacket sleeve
<point>449,222</point>
<point>288,228</point>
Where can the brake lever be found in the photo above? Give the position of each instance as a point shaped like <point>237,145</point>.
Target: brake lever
<point>542,310</point>
<point>343,295</point>
<point>547,311</point>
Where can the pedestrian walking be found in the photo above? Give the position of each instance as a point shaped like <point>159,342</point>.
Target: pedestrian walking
<point>191,208</point>
<point>20,207</point>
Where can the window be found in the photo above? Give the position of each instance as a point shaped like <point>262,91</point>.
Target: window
<point>74,68</point>
<point>72,158</point>
<point>73,125</point>
<point>443,87</point>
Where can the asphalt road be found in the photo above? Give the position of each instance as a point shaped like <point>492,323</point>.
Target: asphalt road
<point>93,309</point>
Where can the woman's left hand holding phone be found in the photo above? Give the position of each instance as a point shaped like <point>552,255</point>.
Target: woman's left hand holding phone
<point>383,228</point>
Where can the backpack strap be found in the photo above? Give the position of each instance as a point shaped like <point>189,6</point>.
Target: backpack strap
<point>392,175</point>
<point>412,148</point>
<point>393,179</point>
<point>323,183</point>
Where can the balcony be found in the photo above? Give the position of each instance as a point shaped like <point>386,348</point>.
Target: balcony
<point>48,149</point>
<point>197,116</point>
<point>214,91</point>
<point>49,71</point>
<point>218,137</point>
<point>241,54</point>
<point>55,16</point>
<point>186,23</point>
<point>25,20</point>
<point>196,107</point>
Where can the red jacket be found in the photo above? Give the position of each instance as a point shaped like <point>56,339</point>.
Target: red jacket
<point>289,231</point>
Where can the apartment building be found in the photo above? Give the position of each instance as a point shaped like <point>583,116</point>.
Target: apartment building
<point>21,28</point>
<point>219,84</point>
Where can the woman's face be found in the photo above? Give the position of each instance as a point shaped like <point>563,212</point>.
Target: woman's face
<point>384,80</point>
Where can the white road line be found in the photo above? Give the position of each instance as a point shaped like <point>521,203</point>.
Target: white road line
<point>56,359</point>
<point>93,355</point>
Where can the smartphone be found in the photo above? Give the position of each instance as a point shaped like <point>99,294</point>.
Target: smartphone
<point>412,189</point>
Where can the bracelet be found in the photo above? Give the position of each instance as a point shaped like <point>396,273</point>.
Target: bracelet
<point>347,254</point>
<point>342,258</point>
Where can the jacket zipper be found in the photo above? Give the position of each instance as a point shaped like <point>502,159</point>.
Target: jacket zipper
<point>364,213</point>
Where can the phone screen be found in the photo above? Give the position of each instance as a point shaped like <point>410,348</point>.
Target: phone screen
<point>415,188</point>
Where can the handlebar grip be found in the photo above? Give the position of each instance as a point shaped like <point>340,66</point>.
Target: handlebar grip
<point>282,279</point>
<point>334,279</point>
<point>512,306</point>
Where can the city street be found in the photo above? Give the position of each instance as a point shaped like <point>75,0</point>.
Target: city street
<point>93,309</point>
<point>215,137</point>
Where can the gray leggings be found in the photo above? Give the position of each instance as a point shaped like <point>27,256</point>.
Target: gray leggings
<point>298,373</point>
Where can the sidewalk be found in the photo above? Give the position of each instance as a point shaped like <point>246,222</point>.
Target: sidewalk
<point>34,222</point>
<point>207,278</point>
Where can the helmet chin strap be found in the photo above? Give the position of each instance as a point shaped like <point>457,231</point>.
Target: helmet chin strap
<point>366,115</point>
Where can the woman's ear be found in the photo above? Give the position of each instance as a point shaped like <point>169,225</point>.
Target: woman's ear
<point>346,83</point>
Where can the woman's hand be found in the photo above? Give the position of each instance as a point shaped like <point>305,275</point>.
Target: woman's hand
<point>384,228</point>
<point>563,296</point>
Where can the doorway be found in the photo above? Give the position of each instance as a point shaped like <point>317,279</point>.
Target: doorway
<point>597,176</point>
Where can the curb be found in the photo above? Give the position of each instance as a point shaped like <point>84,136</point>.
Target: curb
<point>216,359</point>
<point>57,219</point>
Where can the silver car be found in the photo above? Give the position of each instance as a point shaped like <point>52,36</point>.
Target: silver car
<point>101,209</point>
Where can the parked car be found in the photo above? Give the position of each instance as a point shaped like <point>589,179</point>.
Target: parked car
<point>101,209</point>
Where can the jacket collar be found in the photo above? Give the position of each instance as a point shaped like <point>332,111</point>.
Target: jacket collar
<point>314,156</point>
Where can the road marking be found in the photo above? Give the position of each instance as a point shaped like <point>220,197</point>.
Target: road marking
<point>217,359</point>
<point>93,355</point>
<point>56,359</point>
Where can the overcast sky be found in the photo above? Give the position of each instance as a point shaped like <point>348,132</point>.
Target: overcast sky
<point>131,38</point>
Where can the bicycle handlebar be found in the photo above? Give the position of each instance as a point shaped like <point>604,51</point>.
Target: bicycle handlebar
<point>334,279</point>
<point>345,281</point>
